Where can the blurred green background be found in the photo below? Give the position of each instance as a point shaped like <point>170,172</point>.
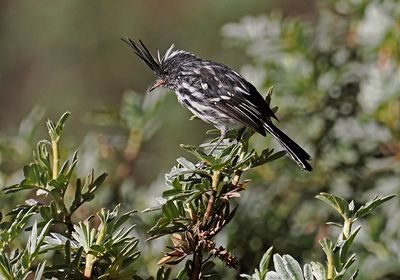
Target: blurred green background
<point>68,56</point>
<point>335,67</point>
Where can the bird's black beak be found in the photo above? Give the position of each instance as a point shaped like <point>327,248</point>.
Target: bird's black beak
<point>158,83</point>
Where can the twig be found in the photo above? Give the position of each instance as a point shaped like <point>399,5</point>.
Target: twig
<point>55,169</point>
<point>56,157</point>
<point>196,266</point>
<point>236,177</point>
<point>330,266</point>
<point>197,254</point>
<point>91,259</point>
<point>210,204</point>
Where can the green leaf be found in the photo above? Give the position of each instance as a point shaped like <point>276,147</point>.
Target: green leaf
<point>84,235</point>
<point>308,272</point>
<point>345,246</point>
<point>246,160</point>
<point>169,209</point>
<point>270,91</point>
<point>123,218</point>
<point>16,227</point>
<point>176,184</point>
<point>36,241</point>
<point>67,252</point>
<point>51,127</point>
<point>55,129</point>
<point>41,156</point>
<point>280,267</point>
<point>67,169</point>
<point>272,275</point>
<point>318,270</point>
<point>348,263</point>
<point>61,121</point>
<point>337,203</point>
<point>6,269</point>
<point>198,153</point>
<point>78,195</point>
<point>39,271</point>
<point>354,275</point>
<point>97,250</point>
<point>264,263</point>
<point>34,175</point>
<point>368,207</point>
<point>266,156</point>
<point>97,182</point>
<point>293,268</point>
<point>171,192</point>
<point>208,266</point>
<point>184,273</point>
<point>276,156</point>
<point>185,163</point>
<point>334,224</point>
<point>250,277</point>
<point>45,212</point>
<point>78,257</point>
<point>327,246</point>
<point>60,182</point>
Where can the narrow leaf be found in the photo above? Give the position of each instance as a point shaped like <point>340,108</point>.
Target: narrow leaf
<point>318,270</point>
<point>308,272</point>
<point>264,263</point>
<point>347,244</point>
<point>368,207</point>
<point>337,203</point>
<point>272,275</point>
<point>280,267</point>
<point>293,268</point>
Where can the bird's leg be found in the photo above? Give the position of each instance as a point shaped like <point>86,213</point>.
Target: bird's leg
<point>223,134</point>
<point>223,131</point>
<point>240,134</point>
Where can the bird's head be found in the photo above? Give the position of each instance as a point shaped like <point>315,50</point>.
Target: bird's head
<point>167,68</point>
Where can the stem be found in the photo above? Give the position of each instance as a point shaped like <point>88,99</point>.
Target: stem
<point>347,228</point>
<point>330,266</point>
<point>56,157</point>
<point>69,224</point>
<point>236,177</point>
<point>238,173</point>
<point>210,204</point>
<point>91,259</point>
<point>55,169</point>
<point>197,256</point>
<point>196,267</point>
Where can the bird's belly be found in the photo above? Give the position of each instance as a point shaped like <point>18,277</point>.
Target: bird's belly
<point>206,111</point>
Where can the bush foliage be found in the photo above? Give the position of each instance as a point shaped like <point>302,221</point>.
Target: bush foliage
<point>337,83</point>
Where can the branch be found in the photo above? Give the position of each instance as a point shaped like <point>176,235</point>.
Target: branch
<point>210,204</point>
<point>91,259</point>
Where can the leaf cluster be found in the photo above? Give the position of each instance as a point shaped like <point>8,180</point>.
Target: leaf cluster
<point>338,257</point>
<point>101,247</point>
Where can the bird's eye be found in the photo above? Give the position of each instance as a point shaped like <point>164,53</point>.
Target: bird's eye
<point>165,72</point>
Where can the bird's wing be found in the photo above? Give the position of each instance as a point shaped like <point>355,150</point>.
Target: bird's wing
<point>256,98</point>
<point>243,111</point>
<point>230,93</point>
<point>240,100</point>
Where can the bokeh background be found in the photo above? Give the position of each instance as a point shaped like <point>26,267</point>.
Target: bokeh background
<point>335,67</point>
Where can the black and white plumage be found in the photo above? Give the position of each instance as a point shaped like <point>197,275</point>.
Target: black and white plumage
<point>216,94</point>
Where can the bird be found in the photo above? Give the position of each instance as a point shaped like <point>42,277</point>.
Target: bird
<point>216,94</point>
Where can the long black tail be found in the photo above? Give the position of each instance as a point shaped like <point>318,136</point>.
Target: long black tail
<point>294,150</point>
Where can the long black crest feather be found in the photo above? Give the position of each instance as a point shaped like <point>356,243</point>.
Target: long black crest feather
<point>142,52</point>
